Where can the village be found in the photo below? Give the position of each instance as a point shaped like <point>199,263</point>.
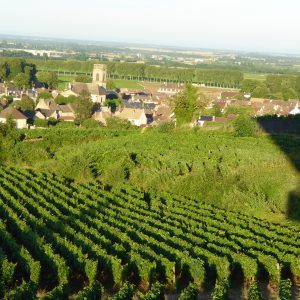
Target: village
<point>146,107</point>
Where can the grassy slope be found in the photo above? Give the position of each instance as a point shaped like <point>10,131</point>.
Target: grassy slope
<point>241,174</point>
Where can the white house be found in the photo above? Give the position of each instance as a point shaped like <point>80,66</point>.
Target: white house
<point>17,116</point>
<point>135,116</point>
<point>295,111</point>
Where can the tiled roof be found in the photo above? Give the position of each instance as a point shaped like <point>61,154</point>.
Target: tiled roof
<point>13,112</point>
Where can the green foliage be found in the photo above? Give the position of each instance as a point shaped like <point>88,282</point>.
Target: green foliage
<point>7,271</point>
<point>156,292</point>
<point>244,126</point>
<point>83,78</point>
<point>261,91</point>
<point>254,292</point>
<point>165,127</point>
<point>91,270</point>
<point>40,122</point>
<point>45,95</point>
<point>24,104</point>
<point>48,79</point>
<point>225,77</point>
<point>83,107</point>
<point>9,137</point>
<point>125,293</point>
<point>90,123</point>
<point>25,291</point>
<point>109,221</point>
<point>113,104</point>
<point>110,85</point>
<point>52,121</point>
<point>220,290</point>
<point>22,80</point>
<point>186,105</point>
<point>61,100</point>
<point>18,70</point>
<point>285,289</point>
<point>92,292</point>
<point>249,85</point>
<point>276,86</point>
<point>190,293</point>
<point>117,123</point>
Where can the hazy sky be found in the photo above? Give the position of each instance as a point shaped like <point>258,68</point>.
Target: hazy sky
<point>256,25</point>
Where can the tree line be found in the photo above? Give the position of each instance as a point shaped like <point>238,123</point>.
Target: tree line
<point>144,71</point>
<point>276,87</point>
<point>23,74</point>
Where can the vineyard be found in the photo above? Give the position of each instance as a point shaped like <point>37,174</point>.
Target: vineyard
<point>60,239</point>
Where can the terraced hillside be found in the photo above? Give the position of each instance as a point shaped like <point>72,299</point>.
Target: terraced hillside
<point>60,239</point>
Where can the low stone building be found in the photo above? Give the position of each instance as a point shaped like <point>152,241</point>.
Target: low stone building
<point>16,115</point>
<point>135,116</point>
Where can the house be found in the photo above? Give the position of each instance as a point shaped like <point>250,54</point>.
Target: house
<point>67,93</point>
<point>16,115</point>
<point>97,92</point>
<point>45,114</point>
<point>66,113</point>
<point>170,89</point>
<point>46,109</point>
<point>135,116</point>
<point>102,115</point>
<point>46,104</point>
<point>295,111</point>
<point>163,113</point>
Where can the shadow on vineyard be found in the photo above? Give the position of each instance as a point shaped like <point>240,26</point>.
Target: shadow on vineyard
<point>285,133</point>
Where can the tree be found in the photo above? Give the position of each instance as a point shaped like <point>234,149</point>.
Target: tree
<point>111,85</point>
<point>261,91</point>
<point>113,104</point>
<point>244,126</point>
<point>83,107</point>
<point>15,66</point>
<point>22,80</point>
<point>289,93</point>
<point>48,79</point>
<point>44,95</point>
<point>26,103</point>
<point>249,85</point>
<point>188,103</point>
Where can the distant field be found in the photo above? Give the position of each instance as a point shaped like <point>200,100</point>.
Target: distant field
<point>121,83</point>
<point>130,84</point>
<point>255,76</point>
<point>64,80</point>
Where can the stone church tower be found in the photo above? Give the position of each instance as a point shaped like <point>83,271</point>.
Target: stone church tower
<point>100,74</point>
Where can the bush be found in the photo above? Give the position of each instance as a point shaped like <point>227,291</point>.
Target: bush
<point>116,123</point>
<point>244,126</point>
<point>40,123</point>
<point>52,121</point>
<point>90,123</point>
<point>66,124</point>
<point>165,127</point>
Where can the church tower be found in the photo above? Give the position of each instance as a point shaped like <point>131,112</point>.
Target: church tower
<point>99,74</point>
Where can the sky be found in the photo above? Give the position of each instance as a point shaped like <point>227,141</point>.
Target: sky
<point>252,25</point>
